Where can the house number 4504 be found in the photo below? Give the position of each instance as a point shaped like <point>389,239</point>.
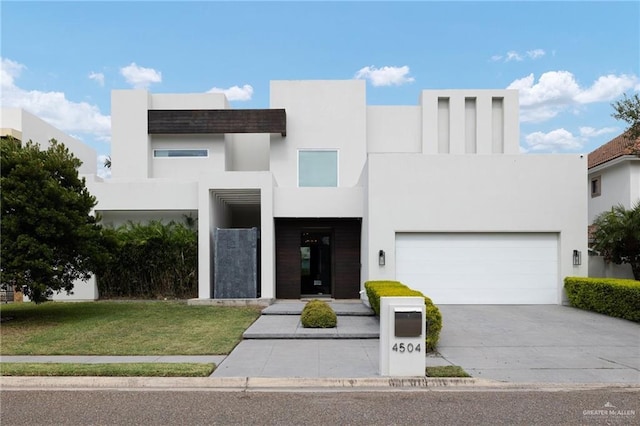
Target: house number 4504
<point>409,347</point>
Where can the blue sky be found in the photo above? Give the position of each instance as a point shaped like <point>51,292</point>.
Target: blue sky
<point>569,60</point>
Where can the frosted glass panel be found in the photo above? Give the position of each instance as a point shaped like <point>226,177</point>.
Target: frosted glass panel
<point>318,168</point>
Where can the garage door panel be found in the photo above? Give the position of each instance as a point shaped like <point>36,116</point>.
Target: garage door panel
<point>515,297</point>
<point>480,268</point>
<point>476,269</point>
<point>473,282</point>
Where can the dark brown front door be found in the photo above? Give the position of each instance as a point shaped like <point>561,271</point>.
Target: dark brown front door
<point>317,257</point>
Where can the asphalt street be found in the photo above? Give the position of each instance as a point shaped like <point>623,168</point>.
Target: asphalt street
<point>206,407</point>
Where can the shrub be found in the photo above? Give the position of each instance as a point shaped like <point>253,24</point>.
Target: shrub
<point>610,296</point>
<point>377,289</point>
<point>318,314</point>
<point>153,260</point>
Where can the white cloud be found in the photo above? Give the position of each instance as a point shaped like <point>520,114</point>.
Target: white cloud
<point>607,88</point>
<point>385,76</point>
<point>140,77</point>
<point>554,141</point>
<point>513,56</point>
<point>9,71</point>
<point>535,53</point>
<point>557,91</point>
<point>53,107</point>
<point>98,77</point>
<point>562,140</point>
<point>235,93</point>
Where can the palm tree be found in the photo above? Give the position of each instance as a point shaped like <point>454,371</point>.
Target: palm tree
<point>617,236</point>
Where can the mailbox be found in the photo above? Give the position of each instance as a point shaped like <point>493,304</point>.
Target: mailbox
<point>408,322</point>
<point>402,336</point>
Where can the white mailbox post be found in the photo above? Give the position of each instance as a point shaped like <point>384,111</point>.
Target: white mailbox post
<point>402,336</point>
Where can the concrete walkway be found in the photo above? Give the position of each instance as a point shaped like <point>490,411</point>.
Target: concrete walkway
<point>518,344</point>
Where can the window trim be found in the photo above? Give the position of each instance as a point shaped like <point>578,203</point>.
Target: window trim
<point>155,150</point>
<point>597,180</point>
<point>336,150</point>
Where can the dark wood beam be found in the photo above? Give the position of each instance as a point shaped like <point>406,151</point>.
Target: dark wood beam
<point>165,121</point>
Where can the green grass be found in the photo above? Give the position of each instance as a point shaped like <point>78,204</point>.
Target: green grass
<point>122,328</point>
<point>113,370</point>
<point>446,371</point>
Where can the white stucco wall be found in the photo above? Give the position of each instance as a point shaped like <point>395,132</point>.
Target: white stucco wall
<point>620,184</point>
<point>187,167</point>
<point>320,115</point>
<point>147,194</point>
<point>37,130</point>
<point>472,193</point>
<point>394,129</point>
<point>485,121</point>
<point>129,139</point>
<point>318,202</point>
<point>248,152</point>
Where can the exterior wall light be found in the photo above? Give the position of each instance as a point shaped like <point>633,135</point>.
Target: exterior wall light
<point>577,257</point>
<point>381,258</point>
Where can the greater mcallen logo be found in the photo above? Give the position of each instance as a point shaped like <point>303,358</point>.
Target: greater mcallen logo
<point>609,412</point>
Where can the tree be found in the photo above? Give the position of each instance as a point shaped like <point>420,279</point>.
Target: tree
<point>628,109</point>
<point>617,236</point>
<point>49,238</point>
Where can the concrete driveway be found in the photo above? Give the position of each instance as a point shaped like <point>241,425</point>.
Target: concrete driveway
<point>540,343</point>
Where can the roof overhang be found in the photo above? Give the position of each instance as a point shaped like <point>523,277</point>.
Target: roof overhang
<point>198,121</point>
<point>613,162</point>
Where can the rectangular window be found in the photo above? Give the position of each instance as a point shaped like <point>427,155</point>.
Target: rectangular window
<point>317,168</point>
<point>167,153</point>
<point>596,186</point>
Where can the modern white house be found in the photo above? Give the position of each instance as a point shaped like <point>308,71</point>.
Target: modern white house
<point>436,195</point>
<point>25,126</point>
<point>613,179</point>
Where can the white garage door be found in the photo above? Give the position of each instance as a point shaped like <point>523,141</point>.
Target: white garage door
<point>476,268</point>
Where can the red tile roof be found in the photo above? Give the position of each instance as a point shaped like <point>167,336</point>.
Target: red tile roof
<point>616,147</point>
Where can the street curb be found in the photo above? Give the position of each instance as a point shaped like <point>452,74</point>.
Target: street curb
<point>293,384</point>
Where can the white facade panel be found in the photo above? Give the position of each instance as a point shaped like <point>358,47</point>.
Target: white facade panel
<point>318,202</point>
<point>619,184</point>
<point>320,115</point>
<point>394,129</point>
<point>488,194</point>
<point>472,268</point>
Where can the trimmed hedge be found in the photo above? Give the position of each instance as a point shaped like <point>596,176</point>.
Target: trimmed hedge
<point>610,296</point>
<point>318,314</point>
<point>377,289</point>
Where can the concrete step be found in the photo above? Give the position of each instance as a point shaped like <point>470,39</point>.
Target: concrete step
<point>294,307</point>
<point>289,327</point>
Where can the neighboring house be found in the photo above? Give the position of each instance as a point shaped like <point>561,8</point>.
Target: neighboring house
<point>613,178</point>
<point>436,195</point>
<point>25,126</point>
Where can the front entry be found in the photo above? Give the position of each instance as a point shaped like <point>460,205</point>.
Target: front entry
<point>315,263</point>
<point>317,257</point>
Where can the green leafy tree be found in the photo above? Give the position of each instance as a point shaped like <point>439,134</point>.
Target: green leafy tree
<point>617,236</point>
<point>49,237</point>
<point>628,109</point>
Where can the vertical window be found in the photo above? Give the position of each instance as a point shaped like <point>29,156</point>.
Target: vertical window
<point>596,186</point>
<point>317,168</point>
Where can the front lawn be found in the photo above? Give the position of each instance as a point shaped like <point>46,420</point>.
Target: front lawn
<point>106,370</point>
<point>121,328</point>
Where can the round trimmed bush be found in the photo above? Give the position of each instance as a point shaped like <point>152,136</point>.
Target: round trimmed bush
<point>318,314</point>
